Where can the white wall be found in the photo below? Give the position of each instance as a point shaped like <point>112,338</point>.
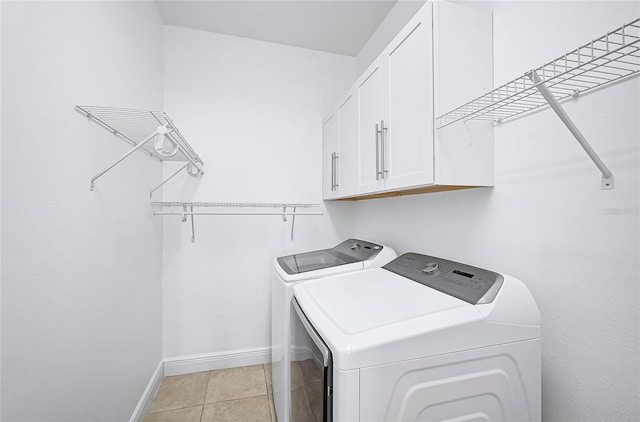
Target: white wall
<point>81,270</point>
<point>0,226</point>
<point>253,110</point>
<point>547,221</point>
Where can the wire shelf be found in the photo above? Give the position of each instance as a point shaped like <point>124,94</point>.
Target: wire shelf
<point>611,57</point>
<point>235,204</point>
<point>283,210</point>
<point>139,128</point>
<point>133,126</point>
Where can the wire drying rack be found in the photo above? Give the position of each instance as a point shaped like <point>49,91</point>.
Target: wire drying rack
<point>139,128</point>
<point>235,208</point>
<point>613,56</point>
<point>609,58</point>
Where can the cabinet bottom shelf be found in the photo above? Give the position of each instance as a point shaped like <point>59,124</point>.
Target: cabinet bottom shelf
<point>413,191</point>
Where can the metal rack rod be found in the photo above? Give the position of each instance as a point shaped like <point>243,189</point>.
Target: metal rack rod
<point>235,204</point>
<point>293,222</point>
<point>167,179</point>
<point>286,210</point>
<point>134,149</point>
<point>193,227</point>
<point>288,213</point>
<point>607,176</point>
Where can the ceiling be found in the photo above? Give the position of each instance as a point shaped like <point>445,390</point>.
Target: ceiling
<point>341,27</point>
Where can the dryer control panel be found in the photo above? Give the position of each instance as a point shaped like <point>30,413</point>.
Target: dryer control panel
<point>471,284</point>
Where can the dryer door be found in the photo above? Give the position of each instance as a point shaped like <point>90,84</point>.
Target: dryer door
<point>311,371</point>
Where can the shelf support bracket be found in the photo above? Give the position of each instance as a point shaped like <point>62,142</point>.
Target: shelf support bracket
<point>193,229</point>
<point>607,176</point>
<point>184,213</point>
<point>160,131</point>
<point>167,179</point>
<point>293,222</point>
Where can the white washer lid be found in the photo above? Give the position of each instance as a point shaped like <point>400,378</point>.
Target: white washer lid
<point>374,317</point>
<point>309,275</point>
<point>374,299</point>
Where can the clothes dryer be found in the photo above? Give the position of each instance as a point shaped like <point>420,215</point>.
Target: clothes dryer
<point>348,256</point>
<point>420,339</point>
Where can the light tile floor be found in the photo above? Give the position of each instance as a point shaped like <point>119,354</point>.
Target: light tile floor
<point>225,395</point>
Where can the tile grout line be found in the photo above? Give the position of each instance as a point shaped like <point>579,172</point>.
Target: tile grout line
<point>149,412</point>
<point>173,408</point>
<point>266,387</point>
<point>235,398</point>
<point>206,390</point>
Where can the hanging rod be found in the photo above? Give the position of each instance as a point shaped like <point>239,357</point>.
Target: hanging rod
<point>235,204</point>
<point>138,128</point>
<point>611,57</point>
<point>285,210</point>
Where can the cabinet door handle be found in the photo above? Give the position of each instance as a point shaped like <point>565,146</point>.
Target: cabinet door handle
<point>333,172</point>
<point>378,172</point>
<point>383,130</point>
<point>336,159</point>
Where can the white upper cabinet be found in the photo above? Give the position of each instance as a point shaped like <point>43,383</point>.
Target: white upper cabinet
<point>408,148</point>
<point>348,145</point>
<point>371,105</point>
<point>339,149</point>
<point>463,71</point>
<point>330,151</point>
<point>441,58</point>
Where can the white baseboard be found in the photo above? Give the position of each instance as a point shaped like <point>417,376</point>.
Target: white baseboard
<point>197,363</point>
<point>300,353</point>
<point>149,394</point>
<point>219,360</point>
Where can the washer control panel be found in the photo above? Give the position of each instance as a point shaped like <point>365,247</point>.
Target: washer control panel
<point>357,249</point>
<point>430,267</point>
<point>471,284</point>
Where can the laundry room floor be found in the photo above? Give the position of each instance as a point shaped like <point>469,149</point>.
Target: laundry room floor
<point>225,395</point>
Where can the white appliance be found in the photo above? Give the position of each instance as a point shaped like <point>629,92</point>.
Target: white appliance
<point>421,339</point>
<point>348,256</point>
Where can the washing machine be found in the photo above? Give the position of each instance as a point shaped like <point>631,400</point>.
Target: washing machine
<point>420,339</point>
<point>348,256</point>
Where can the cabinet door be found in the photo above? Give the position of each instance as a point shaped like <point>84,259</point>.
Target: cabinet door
<point>348,142</point>
<point>329,152</point>
<point>370,115</point>
<point>463,150</point>
<point>409,107</point>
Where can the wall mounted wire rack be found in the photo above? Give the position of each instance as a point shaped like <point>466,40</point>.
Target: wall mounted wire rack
<point>609,58</point>
<point>236,208</point>
<point>139,128</point>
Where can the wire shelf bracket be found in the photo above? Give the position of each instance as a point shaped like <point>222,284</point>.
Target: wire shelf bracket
<point>607,176</point>
<point>611,57</point>
<point>139,128</point>
<point>278,209</point>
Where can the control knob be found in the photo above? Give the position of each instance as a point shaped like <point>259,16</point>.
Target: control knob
<point>430,267</point>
